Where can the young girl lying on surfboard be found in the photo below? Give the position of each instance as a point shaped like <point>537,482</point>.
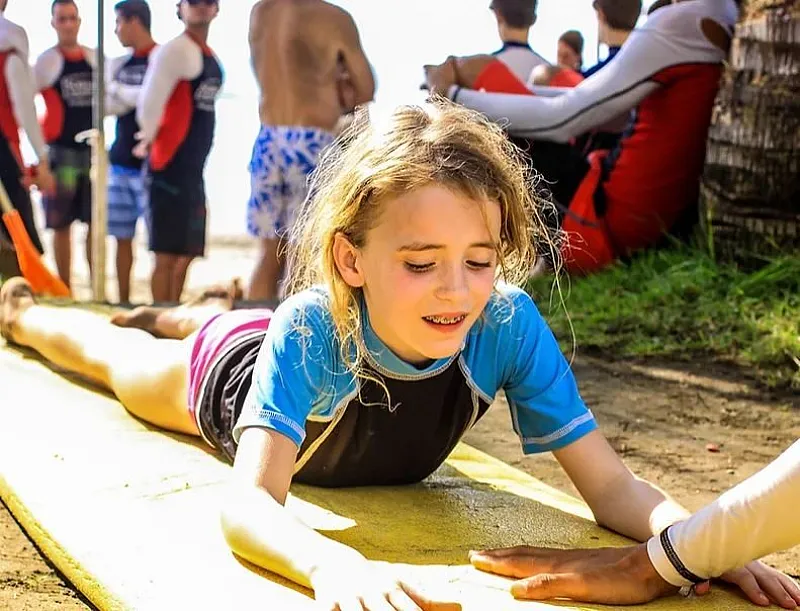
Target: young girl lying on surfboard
<point>402,325</point>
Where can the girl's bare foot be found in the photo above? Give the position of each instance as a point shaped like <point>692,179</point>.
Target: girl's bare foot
<point>16,296</point>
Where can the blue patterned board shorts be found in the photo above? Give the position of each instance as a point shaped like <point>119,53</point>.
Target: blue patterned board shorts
<point>283,158</point>
<point>127,201</point>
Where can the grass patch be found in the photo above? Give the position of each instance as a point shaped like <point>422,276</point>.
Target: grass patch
<point>681,303</point>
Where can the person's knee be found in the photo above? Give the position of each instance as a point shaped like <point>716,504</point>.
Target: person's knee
<point>164,264</point>
<point>182,263</point>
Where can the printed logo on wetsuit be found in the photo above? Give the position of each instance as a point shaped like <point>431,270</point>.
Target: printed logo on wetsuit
<point>76,89</point>
<point>131,75</point>
<point>206,94</point>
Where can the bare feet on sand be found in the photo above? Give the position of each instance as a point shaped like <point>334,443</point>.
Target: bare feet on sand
<point>16,296</point>
<point>181,321</point>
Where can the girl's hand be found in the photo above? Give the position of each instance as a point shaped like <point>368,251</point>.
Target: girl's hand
<point>606,575</point>
<point>361,586</point>
<point>764,585</point>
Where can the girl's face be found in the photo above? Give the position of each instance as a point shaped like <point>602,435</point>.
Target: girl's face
<point>427,270</point>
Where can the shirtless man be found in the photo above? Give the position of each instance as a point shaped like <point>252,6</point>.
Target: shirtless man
<point>308,60</point>
<point>17,110</point>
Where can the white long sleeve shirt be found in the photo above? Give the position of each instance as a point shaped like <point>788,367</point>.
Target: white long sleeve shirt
<point>759,516</point>
<point>19,80</point>
<point>669,39</point>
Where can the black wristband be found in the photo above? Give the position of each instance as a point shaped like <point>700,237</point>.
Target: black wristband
<point>675,560</point>
<point>455,93</point>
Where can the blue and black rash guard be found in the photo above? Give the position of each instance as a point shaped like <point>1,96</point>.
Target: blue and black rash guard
<point>350,433</point>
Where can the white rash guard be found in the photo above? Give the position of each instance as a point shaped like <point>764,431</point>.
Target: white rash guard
<point>759,516</point>
<point>670,37</point>
<point>181,59</point>
<point>19,81</point>
<point>121,98</point>
<point>520,59</point>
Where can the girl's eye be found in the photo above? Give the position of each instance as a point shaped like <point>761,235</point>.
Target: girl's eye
<point>419,268</point>
<point>479,264</point>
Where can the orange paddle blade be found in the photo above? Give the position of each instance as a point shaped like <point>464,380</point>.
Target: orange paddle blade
<point>31,265</point>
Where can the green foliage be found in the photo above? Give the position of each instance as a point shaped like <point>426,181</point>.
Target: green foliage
<point>680,303</point>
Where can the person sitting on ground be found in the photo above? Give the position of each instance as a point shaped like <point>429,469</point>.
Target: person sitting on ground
<point>515,18</point>
<point>402,325</point>
<point>658,4</point>
<point>506,70</point>
<point>569,53</point>
<point>757,517</point>
<point>669,71</point>
<point>616,19</point>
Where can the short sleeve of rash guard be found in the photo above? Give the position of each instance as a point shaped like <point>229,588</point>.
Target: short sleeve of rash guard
<point>294,371</point>
<point>546,408</point>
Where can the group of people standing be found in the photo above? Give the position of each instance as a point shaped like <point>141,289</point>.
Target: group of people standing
<point>164,102</point>
<point>164,99</point>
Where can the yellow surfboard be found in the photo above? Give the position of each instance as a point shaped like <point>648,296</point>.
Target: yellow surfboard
<point>130,514</point>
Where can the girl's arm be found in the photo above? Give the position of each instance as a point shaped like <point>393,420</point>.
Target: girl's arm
<point>619,500</point>
<point>258,528</point>
<point>255,522</point>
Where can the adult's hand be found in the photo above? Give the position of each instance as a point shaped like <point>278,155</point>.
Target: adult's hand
<point>43,179</point>
<point>440,78</point>
<point>763,585</point>
<point>142,149</point>
<point>621,576</point>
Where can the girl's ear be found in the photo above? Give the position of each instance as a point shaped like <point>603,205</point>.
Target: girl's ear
<point>346,256</point>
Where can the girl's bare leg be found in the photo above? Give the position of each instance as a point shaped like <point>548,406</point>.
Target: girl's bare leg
<point>149,376</point>
<point>181,321</point>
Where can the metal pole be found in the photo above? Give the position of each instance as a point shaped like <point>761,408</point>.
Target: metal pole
<point>99,169</point>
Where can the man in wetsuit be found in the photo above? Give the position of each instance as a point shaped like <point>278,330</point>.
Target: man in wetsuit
<point>17,111</point>
<point>616,19</point>
<point>64,78</point>
<point>126,193</point>
<point>176,113</point>
<point>515,18</point>
<point>308,60</point>
<point>669,71</point>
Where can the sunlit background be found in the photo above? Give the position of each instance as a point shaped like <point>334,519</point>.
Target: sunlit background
<point>399,37</point>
